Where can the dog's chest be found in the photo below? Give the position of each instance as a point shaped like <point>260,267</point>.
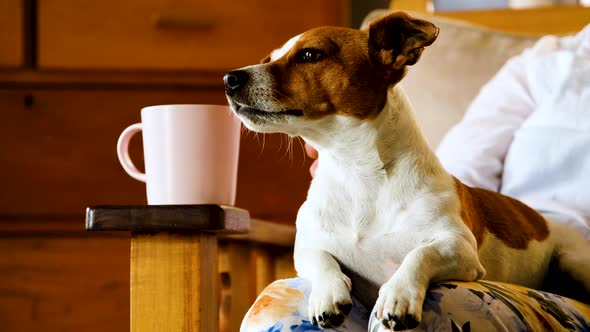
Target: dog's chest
<point>361,225</point>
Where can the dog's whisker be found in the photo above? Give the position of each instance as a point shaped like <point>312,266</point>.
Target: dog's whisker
<point>281,94</point>
<point>263,143</point>
<point>281,143</point>
<point>303,150</point>
<point>276,100</point>
<point>257,137</point>
<point>288,147</point>
<point>244,130</point>
<point>291,149</point>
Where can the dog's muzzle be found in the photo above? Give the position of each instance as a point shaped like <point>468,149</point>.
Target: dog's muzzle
<point>253,103</point>
<point>234,81</point>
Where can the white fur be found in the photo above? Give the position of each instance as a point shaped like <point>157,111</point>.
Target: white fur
<point>369,213</point>
<point>278,53</point>
<point>373,207</point>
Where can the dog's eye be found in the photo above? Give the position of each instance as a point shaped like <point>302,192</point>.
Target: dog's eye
<point>309,55</point>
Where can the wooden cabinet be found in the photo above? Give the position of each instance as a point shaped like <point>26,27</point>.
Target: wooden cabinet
<point>173,34</point>
<point>11,33</point>
<point>51,283</point>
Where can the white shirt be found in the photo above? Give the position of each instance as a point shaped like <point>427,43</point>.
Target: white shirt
<point>527,133</point>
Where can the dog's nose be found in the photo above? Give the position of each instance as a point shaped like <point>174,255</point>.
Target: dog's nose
<point>235,80</point>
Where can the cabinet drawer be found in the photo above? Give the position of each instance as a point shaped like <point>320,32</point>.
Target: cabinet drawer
<point>57,153</point>
<point>173,34</point>
<point>11,33</point>
<point>64,283</point>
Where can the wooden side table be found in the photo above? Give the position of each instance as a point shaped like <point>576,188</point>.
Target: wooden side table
<point>173,261</point>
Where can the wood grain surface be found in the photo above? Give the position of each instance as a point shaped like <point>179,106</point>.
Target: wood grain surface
<point>11,33</point>
<point>558,20</point>
<point>174,282</point>
<point>188,218</point>
<point>173,34</point>
<point>64,283</point>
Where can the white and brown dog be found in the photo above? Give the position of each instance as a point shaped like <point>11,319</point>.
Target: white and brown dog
<point>381,207</point>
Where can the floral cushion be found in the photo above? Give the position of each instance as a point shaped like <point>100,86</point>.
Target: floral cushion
<point>451,306</point>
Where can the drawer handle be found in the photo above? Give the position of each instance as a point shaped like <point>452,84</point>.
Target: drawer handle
<point>183,21</point>
<point>29,101</point>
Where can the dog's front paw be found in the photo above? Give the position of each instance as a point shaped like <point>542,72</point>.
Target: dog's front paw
<point>399,305</point>
<point>329,301</point>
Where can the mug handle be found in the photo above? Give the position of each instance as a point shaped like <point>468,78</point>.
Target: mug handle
<point>123,152</point>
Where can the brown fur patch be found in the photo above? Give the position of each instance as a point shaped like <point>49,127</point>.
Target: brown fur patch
<point>355,70</point>
<point>398,40</point>
<point>511,221</point>
<point>343,82</point>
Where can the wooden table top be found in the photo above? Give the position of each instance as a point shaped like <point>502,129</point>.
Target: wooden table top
<point>186,218</point>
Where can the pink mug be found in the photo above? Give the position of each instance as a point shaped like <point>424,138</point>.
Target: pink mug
<point>190,152</point>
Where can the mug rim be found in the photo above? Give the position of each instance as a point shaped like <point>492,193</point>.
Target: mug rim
<point>167,107</point>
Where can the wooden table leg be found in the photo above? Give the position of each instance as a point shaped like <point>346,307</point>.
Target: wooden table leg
<point>265,271</point>
<point>174,282</point>
<point>242,279</point>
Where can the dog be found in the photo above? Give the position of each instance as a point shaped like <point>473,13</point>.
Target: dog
<point>382,214</point>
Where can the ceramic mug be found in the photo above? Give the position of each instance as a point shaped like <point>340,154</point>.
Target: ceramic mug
<point>190,153</point>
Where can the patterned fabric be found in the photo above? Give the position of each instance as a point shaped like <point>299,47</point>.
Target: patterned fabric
<point>452,306</point>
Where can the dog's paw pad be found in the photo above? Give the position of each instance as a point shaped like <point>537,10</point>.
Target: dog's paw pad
<point>407,322</point>
<point>399,306</point>
<point>330,302</point>
<point>385,323</point>
<point>329,320</point>
<point>332,319</point>
<point>344,308</point>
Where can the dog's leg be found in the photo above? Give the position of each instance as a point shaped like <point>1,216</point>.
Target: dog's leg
<point>399,305</point>
<point>330,299</point>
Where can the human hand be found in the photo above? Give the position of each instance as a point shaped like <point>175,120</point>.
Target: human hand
<point>312,153</point>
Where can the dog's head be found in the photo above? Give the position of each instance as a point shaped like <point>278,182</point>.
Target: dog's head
<point>327,72</point>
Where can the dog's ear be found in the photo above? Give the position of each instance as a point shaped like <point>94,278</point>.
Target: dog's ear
<point>266,59</point>
<point>397,40</point>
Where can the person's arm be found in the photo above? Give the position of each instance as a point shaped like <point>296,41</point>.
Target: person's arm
<point>313,154</point>
<point>475,148</point>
